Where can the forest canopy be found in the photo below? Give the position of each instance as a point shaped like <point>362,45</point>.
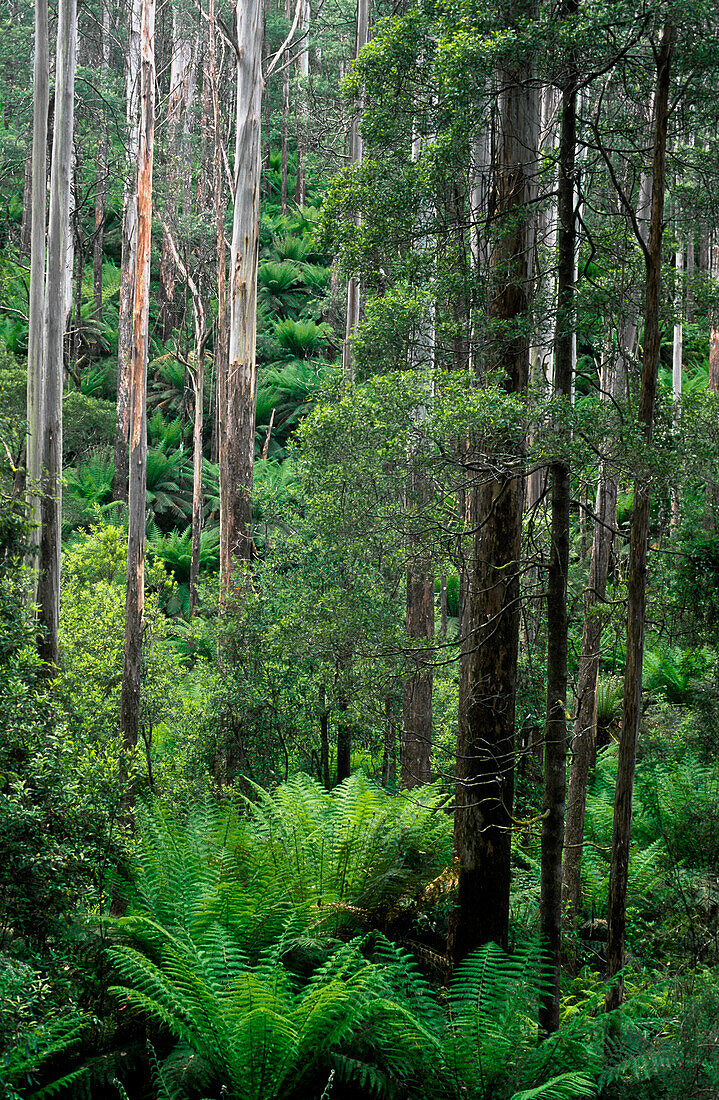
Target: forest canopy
<point>359,551</point>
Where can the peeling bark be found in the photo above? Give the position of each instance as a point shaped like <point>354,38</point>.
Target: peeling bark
<point>135,600</point>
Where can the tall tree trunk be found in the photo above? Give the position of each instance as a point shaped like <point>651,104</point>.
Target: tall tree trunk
<point>284,122</point>
<point>238,437</point>
<point>180,79</point>
<point>101,181</point>
<point>197,373</point>
<point>135,601</point>
<point>324,741</point>
<point>303,72</point>
<point>26,224</point>
<point>677,353</point>
<point>555,741</point>
<point>55,314</point>
<point>584,738</point>
<point>355,156</point>
<point>128,261</point>
<point>416,754</point>
<point>220,341</point>
<point>490,616</point>
<point>40,104</point>
<point>637,569</point>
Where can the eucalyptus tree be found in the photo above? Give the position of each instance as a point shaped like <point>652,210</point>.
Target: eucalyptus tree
<point>137,418</point>
<point>637,574</point>
<point>40,103</point>
<point>128,261</point>
<point>555,742</point>
<point>355,157</point>
<point>238,392</point>
<point>56,306</point>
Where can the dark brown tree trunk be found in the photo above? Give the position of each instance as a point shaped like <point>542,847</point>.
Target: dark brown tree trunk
<point>129,252</point>
<point>637,570</point>
<point>135,600</point>
<point>344,729</point>
<point>555,741</point>
<point>584,737</point>
<point>490,616</point>
<point>48,593</point>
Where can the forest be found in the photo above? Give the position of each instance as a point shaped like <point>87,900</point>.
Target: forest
<point>359,549</point>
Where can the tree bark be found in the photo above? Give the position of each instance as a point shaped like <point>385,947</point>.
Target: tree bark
<point>324,741</point>
<point>238,437</point>
<point>637,569</point>
<point>416,753</point>
<point>490,612</point>
<point>55,314</point>
<point>129,252</point>
<point>41,100</point>
<point>101,180</point>
<point>584,738</point>
<point>25,247</point>
<point>677,353</point>
<point>181,78</point>
<point>197,373</point>
<point>355,157</point>
<point>135,600</point>
<point>555,741</point>
<point>284,122</point>
<point>344,729</point>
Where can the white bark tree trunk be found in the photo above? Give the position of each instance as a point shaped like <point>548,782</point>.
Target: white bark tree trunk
<point>55,314</point>
<point>238,416</point>
<point>41,99</point>
<point>129,249</point>
<point>355,156</point>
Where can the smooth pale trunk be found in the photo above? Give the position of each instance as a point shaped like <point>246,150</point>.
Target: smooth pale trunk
<point>135,601</point>
<point>181,80</point>
<point>41,98</point>
<point>238,437</point>
<point>128,261</point>
<point>637,568</point>
<point>101,182</point>
<point>303,72</point>
<point>355,157</point>
<point>48,594</point>
<point>26,224</point>
<point>285,121</point>
<point>677,351</point>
